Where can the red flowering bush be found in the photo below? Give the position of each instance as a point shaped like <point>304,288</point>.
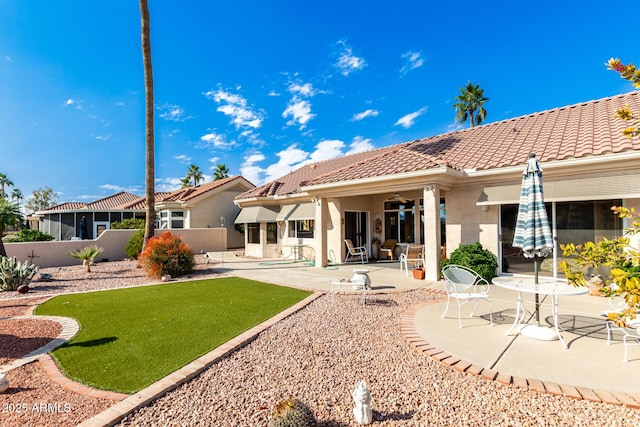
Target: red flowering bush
<point>167,254</point>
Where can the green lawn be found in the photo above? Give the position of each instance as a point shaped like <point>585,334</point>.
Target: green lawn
<point>130,338</point>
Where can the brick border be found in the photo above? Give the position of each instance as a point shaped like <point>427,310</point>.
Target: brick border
<point>408,329</point>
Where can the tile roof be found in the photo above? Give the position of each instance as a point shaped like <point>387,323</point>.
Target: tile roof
<point>580,130</point>
<point>115,201</point>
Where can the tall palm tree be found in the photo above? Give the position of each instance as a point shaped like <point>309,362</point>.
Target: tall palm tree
<point>470,104</point>
<point>17,195</point>
<point>5,182</point>
<point>10,216</point>
<point>221,172</point>
<point>150,215</point>
<point>195,173</point>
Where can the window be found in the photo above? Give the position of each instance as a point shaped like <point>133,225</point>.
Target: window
<point>302,229</point>
<point>253,232</point>
<point>272,232</point>
<point>171,219</point>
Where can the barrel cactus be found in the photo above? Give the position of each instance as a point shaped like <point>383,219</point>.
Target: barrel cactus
<point>14,274</point>
<point>292,413</point>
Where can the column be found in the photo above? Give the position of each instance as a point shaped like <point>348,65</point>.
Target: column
<point>320,232</point>
<point>431,198</point>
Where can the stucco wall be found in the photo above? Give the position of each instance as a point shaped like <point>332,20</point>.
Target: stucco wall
<point>56,253</point>
<point>469,223</point>
<point>206,213</point>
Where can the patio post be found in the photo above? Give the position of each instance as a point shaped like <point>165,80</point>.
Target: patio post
<point>431,197</point>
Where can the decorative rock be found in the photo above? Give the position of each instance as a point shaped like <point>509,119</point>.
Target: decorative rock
<point>4,382</point>
<point>166,278</point>
<point>23,289</point>
<point>362,398</point>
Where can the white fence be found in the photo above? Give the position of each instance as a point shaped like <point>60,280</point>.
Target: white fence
<point>56,253</point>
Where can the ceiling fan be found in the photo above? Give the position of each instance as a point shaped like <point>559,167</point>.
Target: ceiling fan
<point>396,198</point>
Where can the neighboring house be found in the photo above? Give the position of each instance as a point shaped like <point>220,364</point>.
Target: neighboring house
<point>209,205</point>
<point>458,187</point>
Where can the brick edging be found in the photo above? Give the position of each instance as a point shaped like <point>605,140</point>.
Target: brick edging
<point>408,329</point>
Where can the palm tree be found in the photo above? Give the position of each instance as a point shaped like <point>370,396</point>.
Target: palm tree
<point>5,181</point>
<point>221,172</point>
<point>87,254</point>
<point>470,104</point>
<point>185,182</point>
<point>149,129</point>
<point>10,216</point>
<point>195,174</point>
<point>17,195</point>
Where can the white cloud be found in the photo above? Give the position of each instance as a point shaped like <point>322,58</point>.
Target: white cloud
<point>167,184</point>
<point>235,106</point>
<point>173,113</point>
<point>183,158</point>
<point>359,145</point>
<point>217,140</point>
<point>119,188</point>
<point>363,115</point>
<point>347,61</point>
<point>413,60</point>
<point>103,137</point>
<point>300,112</point>
<point>74,103</point>
<point>213,160</point>
<point>250,170</point>
<point>273,93</point>
<point>326,149</point>
<point>304,90</point>
<point>409,120</point>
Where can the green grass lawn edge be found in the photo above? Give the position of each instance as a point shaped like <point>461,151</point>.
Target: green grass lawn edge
<point>129,338</point>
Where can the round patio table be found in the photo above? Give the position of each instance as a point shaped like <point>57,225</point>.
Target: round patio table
<point>545,286</point>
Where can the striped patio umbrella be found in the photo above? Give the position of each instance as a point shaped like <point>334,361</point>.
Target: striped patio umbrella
<point>532,232</point>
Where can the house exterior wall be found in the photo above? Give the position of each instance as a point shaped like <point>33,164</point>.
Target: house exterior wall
<point>206,213</point>
<point>468,223</point>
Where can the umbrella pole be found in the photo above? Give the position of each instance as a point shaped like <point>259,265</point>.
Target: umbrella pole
<point>535,270</point>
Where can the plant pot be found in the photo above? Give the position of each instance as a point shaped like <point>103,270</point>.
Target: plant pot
<point>418,273</point>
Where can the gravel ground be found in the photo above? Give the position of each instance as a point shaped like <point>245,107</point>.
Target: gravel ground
<point>316,355</point>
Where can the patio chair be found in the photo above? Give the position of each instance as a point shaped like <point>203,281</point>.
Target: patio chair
<point>465,285</point>
<point>413,256</point>
<point>630,334</point>
<point>387,248</point>
<point>355,251</point>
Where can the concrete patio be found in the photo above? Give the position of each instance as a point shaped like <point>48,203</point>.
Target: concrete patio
<point>587,363</point>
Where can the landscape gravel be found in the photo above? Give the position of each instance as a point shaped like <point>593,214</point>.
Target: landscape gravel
<point>317,355</point>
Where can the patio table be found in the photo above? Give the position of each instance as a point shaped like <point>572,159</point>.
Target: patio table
<point>546,286</point>
<point>295,251</point>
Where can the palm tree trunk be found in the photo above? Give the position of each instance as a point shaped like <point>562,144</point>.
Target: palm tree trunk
<point>149,127</point>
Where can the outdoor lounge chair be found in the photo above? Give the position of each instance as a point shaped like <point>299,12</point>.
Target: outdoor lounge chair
<point>465,285</point>
<point>355,251</point>
<point>413,256</point>
<point>387,249</point>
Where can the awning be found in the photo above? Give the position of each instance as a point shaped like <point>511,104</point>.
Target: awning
<point>257,214</point>
<point>297,212</point>
<point>596,188</point>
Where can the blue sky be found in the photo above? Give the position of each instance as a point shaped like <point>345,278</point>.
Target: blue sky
<point>266,86</point>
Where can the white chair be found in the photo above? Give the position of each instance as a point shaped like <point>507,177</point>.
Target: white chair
<point>630,331</point>
<point>355,251</point>
<point>413,256</point>
<point>630,334</point>
<point>465,285</point>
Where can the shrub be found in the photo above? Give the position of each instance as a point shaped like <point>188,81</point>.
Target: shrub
<point>14,274</point>
<point>87,254</point>
<point>134,245</point>
<point>128,224</point>
<point>167,254</point>
<point>26,235</point>
<point>475,257</point>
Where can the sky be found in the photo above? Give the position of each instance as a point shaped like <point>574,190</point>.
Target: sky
<point>265,87</point>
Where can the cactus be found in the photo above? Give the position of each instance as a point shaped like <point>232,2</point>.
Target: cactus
<point>292,413</point>
<point>14,274</point>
